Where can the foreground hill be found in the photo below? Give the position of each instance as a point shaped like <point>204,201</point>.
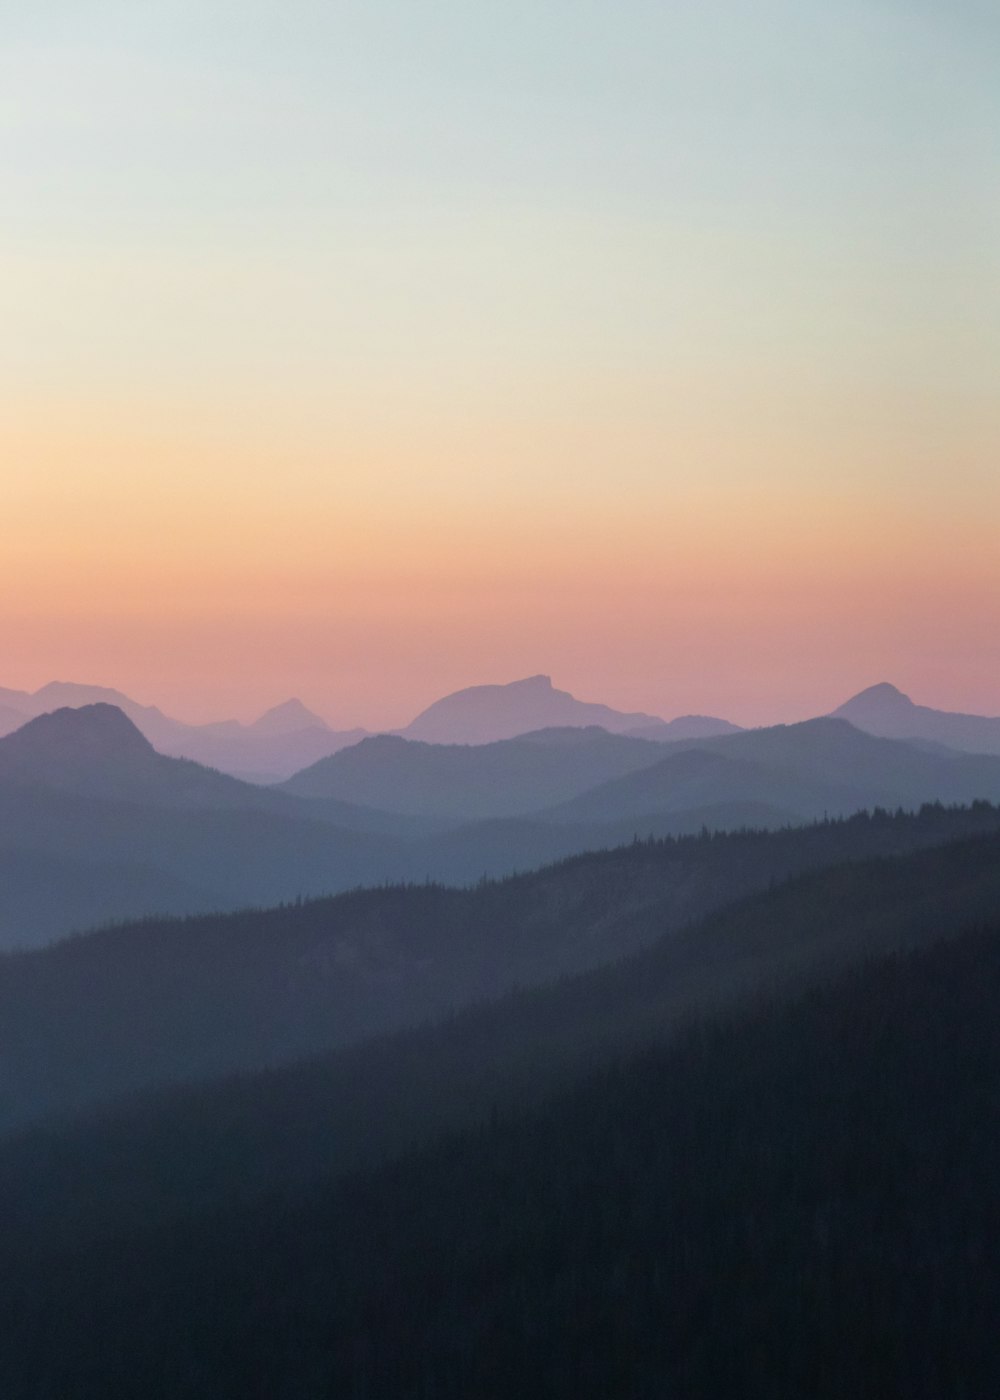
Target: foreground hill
<point>801,1202</point>
<point>206,1145</point>
<point>886,711</point>
<point>132,1007</point>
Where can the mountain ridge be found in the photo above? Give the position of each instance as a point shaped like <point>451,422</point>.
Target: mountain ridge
<point>487,713</point>
<point>277,744</point>
<point>885,711</point>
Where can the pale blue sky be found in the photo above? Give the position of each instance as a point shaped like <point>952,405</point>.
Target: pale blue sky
<point>725,171</point>
<point>662,263</point>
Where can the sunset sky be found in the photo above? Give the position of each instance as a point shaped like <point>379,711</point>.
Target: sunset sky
<point>362,351</point>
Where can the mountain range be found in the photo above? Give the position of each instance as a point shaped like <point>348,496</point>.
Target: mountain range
<point>283,740</point>
<point>797,771</point>
<point>289,737</point>
<point>96,825</point>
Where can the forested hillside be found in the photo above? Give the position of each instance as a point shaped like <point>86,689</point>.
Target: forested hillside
<point>131,1007</point>
<point>205,1146</point>
<point>805,1201</point>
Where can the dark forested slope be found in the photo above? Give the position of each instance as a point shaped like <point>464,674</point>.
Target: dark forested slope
<point>802,1203</point>
<point>131,1007</point>
<point>209,1145</point>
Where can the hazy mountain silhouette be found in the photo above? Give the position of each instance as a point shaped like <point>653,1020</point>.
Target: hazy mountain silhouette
<point>684,727</point>
<point>289,718</point>
<point>84,786</point>
<point>508,777</point>
<point>97,751</point>
<point>10,719</point>
<point>233,855</point>
<point>58,695</point>
<point>886,711</point>
<point>282,741</point>
<point>819,766</point>
<point>43,897</point>
<point>19,700</point>
<point>482,714</point>
<point>797,771</point>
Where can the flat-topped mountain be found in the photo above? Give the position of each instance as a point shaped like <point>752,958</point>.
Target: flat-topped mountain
<point>886,711</point>
<point>482,714</point>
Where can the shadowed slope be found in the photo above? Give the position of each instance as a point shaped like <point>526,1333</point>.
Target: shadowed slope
<point>801,1202</point>
<point>175,1000</point>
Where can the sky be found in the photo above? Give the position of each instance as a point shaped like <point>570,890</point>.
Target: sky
<point>363,351</point>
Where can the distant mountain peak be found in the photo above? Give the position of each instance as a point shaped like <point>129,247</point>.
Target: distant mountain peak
<point>287,718</point>
<point>68,694</point>
<point>886,711</point>
<point>882,695</point>
<point>480,714</point>
<point>92,732</point>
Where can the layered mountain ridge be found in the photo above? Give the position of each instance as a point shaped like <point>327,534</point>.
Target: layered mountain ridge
<point>85,792</point>
<point>290,737</point>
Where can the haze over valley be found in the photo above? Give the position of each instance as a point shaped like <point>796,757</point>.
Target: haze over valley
<point>96,825</point>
